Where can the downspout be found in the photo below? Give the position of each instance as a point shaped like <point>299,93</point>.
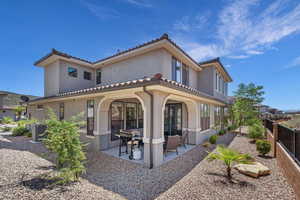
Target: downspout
<point>151,128</point>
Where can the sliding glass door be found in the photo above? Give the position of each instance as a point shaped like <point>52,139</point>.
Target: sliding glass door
<point>173,119</point>
<point>125,115</point>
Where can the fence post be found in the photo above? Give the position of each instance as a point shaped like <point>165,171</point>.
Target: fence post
<point>275,135</point>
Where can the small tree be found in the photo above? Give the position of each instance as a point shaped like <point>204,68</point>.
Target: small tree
<point>62,138</point>
<point>19,110</point>
<point>229,157</point>
<point>256,131</point>
<point>246,97</point>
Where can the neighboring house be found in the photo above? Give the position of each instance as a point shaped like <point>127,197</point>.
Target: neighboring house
<point>9,101</point>
<point>156,87</point>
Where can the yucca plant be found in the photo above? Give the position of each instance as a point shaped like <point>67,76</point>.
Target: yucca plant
<point>229,158</point>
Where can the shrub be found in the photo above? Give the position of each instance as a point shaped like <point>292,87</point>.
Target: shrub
<point>5,129</point>
<point>62,138</point>
<point>222,132</point>
<point>20,131</point>
<point>213,139</point>
<point>7,120</point>
<point>256,131</point>
<point>263,147</point>
<point>26,122</point>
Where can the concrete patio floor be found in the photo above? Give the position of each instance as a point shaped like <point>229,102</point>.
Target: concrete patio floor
<point>167,156</point>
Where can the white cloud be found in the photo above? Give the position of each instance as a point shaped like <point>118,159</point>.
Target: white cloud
<point>101,12</point>
<point>243,30</point>
<point>187,23</point>
<point>142,3</point>
<point>294,63</point>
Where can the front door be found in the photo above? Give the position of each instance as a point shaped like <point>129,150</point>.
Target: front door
<point>173,119</point>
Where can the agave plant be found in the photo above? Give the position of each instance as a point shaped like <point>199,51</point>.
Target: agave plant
<point>229,157</point>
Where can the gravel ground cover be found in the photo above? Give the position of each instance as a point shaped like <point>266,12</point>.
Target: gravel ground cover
<point>206,180</point>
<point>22,161</point>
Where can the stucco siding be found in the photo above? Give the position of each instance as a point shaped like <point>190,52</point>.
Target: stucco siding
<point>206,80</point>
<point>67,83</point>
<point>75,107</point>
<point>7,113</point>
<point>51,79</point>
<point>193,78</point>
<point>138,67</point>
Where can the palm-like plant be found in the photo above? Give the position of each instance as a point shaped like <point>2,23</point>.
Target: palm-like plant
<point>19,110</point>
<point>229,157</point>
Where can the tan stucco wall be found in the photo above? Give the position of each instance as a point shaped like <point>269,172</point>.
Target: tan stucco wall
<point>51,79</point>
<point>149,64</point>
<point>67,83</point>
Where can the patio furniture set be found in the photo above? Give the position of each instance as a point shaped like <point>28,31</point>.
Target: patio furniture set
<point>134,139</point>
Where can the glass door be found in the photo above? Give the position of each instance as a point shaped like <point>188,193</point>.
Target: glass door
<point>117,119</point>
<point>173,119</point>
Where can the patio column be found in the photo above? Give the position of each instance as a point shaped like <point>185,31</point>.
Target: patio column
<point>157,129</point>
<point>102,129</point>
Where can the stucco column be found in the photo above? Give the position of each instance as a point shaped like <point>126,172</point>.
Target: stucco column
<point>102,129</point>
<point>158,127</point>
<point>212,116</point>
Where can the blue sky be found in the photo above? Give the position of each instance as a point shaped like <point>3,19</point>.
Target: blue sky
<point>257,40</point>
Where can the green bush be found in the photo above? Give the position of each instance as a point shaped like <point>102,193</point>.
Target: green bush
<point>62,138</point>
<point>263,147</point>
<point>26,122</point>
<point>5,129</point>
<point>222,132</point>
<point>20,131</point>
<point>7,120</point>
<point>256,131</point>
<point>213,139</point>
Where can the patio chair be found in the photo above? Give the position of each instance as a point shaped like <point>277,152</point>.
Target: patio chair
<point>172,143</point>
<point>184,139</point>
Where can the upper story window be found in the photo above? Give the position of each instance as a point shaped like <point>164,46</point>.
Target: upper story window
<point>87,75</point>
<point>98,76</point>
<point>72,72</point>
<point>220,84</point>
<point>180,72</point>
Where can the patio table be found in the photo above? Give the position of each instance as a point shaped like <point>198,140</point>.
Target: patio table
<point>131,135</point>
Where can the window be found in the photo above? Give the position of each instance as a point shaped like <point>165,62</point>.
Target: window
<point>40,107</point>
<point>98,77</point>
<point>185,75</point>
<point>61,111</point>
<point>219,114</point>
<point>140,116</point>
<point>87,75</point>
<point>205,116</point>
<point>180,72</point>
<point>90,117</point>
<point>72,72</point>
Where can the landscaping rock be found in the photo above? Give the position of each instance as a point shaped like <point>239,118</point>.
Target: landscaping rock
<point>255,169</point>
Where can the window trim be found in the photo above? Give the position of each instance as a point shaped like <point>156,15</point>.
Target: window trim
<point>89,77</point>
<point>75,72</point>
<point>97,80</point>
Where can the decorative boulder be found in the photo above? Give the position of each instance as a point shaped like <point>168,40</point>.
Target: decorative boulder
<point>254,169</point>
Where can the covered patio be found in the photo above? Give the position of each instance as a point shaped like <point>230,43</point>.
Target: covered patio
<point>124,123</point>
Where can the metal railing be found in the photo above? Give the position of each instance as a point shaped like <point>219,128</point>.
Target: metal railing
<point>290,140</point>
<point>269,125</point>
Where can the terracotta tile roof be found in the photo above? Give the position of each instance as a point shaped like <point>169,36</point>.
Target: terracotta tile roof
<point>164,36</point>
<point>59,53</point>
<point>134,84</point>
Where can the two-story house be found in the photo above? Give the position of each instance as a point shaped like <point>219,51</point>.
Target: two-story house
<point>156,87</point>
